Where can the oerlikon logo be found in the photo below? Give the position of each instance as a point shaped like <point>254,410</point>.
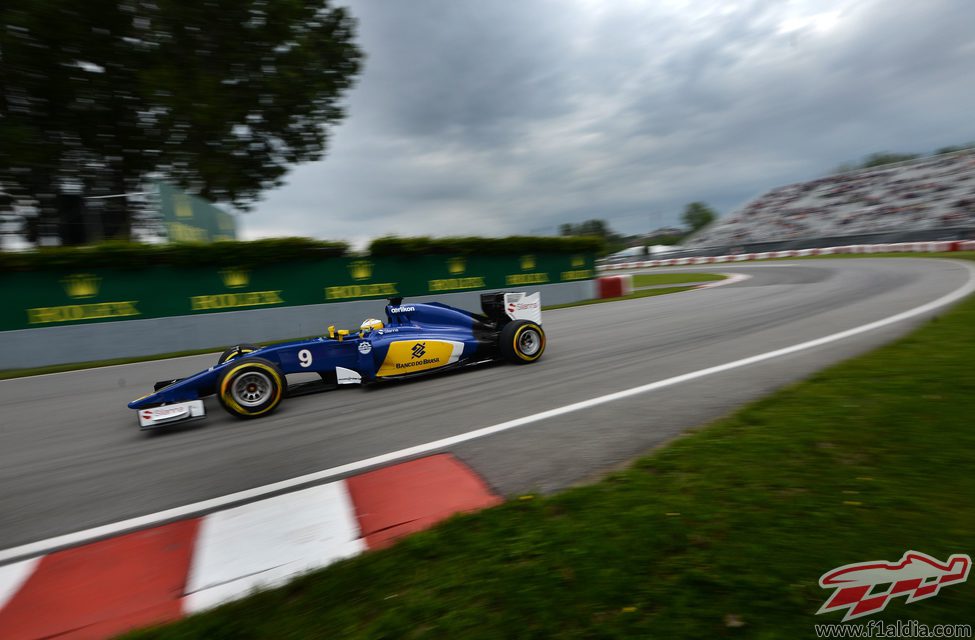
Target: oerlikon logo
<point>866,587</point>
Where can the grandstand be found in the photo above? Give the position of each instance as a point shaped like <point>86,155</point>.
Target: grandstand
<point>926,199</point>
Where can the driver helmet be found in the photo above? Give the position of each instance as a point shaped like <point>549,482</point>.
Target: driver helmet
<point>370,325</point>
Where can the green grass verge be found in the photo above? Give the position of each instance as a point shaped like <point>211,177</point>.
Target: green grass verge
<point>645,293</point>
<point>723,533</point>
<point>652,279</point>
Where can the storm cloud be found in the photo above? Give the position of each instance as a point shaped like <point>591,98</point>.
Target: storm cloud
<point>496,118</point>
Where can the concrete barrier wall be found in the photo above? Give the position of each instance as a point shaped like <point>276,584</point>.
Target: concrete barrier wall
<point>151,336</point>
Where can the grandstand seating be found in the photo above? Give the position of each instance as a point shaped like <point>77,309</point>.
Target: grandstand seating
<point>924,194</point>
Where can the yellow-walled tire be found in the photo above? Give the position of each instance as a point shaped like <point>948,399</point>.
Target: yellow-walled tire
<point>522,342</point>
<point>251,389</point>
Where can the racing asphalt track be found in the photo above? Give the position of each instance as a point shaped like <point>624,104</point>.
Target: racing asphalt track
<point>72,457</point>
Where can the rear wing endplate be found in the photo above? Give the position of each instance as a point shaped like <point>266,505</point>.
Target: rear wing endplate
<point>521,306</point>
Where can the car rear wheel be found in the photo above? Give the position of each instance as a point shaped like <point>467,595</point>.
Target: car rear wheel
<point>251,389</point>
<point>236,351</point>
<point>522,341</point>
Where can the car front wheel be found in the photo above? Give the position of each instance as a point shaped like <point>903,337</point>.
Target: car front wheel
<point>251,389</point>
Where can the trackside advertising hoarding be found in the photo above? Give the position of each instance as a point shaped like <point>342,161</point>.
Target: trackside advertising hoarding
<point>51,298</point>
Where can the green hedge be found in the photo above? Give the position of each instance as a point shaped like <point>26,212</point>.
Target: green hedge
<point>135,256</point>
<point>130,255</point>
<point>393,246</point>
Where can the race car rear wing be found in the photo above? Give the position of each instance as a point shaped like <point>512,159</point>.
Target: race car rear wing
<point>504,307</point>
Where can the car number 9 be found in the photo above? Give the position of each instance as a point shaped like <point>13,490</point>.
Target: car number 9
<point>304,357</point>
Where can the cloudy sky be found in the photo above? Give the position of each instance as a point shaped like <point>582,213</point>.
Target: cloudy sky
<point>511,117</point>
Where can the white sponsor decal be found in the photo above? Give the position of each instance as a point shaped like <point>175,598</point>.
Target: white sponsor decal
<point>161,413</point>
<point>171,413</point>
<point>401,309</point>
<point>364,348</point>
<point>519,306</point>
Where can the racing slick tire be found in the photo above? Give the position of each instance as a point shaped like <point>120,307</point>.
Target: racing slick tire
<point>251,389</point>
<point>522,342</point>
<point>235,351</point>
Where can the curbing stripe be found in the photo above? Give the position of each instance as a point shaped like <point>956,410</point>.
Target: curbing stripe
<point>411,496</point>
<point>104,588</point>
<point>263,544</point>
<point>162,574</point>
<point>13,577</point>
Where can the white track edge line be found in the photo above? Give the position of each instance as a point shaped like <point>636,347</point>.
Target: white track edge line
<point>729,278</point>
<point>196,508</point>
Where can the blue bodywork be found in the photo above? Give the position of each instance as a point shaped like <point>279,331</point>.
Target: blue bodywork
<point>411,321</point>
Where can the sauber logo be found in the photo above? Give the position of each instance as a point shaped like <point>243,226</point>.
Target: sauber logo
<point>864,588</point>
<point>419,349</point>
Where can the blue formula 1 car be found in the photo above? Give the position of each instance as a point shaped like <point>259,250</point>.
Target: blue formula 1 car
<point>416,339</point>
